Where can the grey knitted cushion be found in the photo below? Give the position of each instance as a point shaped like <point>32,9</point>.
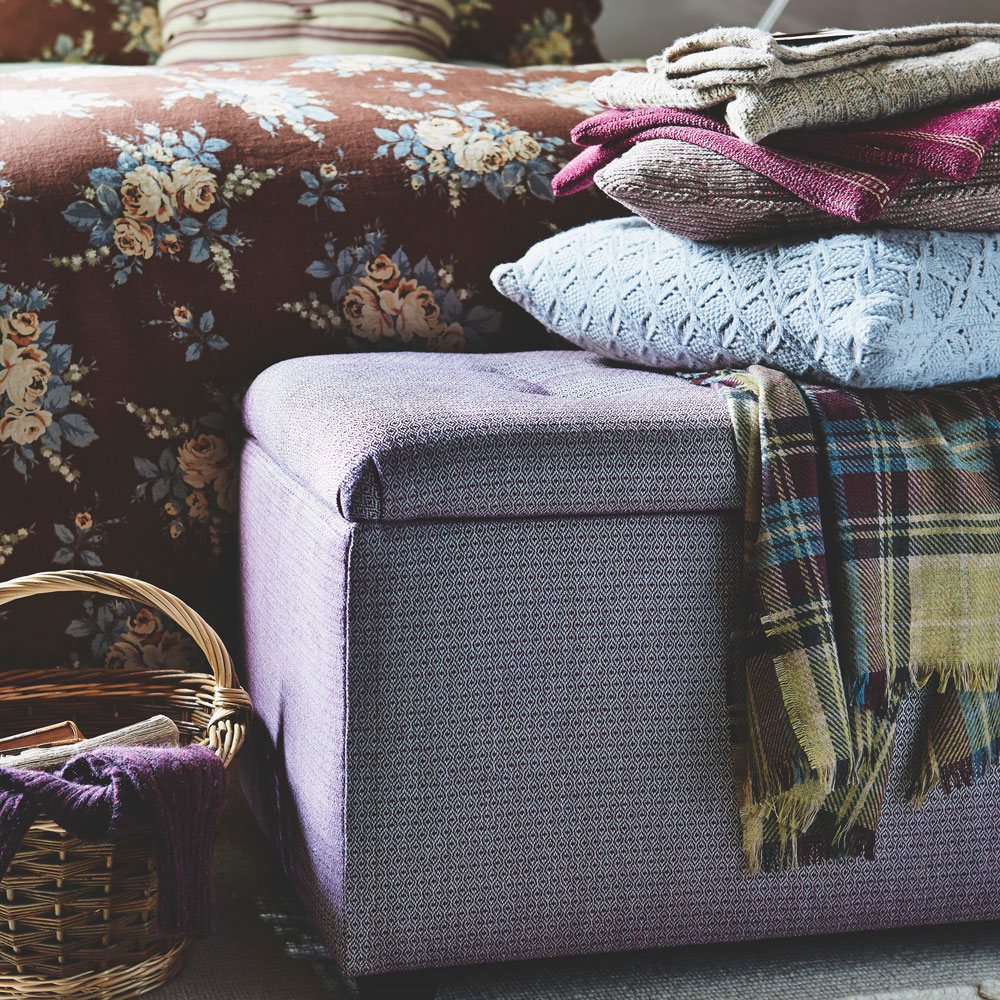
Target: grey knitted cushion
<point>698,193</point>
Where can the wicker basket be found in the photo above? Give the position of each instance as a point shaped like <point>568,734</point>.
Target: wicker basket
<point>77,919</point>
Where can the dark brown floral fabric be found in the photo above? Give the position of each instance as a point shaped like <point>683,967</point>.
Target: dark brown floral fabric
<point>168,233</point>
<point>527,32</point>
<point>126,32</point>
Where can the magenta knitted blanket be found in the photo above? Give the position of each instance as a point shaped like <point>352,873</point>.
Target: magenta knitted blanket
<point>853,174</point>
<point>106,795</point>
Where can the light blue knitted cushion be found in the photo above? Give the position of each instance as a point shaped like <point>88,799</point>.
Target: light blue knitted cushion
<point>895,309</point>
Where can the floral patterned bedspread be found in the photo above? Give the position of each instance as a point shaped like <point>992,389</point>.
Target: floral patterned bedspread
<point>165,234</point>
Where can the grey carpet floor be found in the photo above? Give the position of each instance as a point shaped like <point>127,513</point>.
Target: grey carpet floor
<point>266,950</point>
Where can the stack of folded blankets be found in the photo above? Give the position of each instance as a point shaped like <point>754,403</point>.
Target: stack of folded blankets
<point>817,237</point>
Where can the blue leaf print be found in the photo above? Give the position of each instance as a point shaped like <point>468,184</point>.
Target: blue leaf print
<point>58,357</point>
<point>46,332</point>
<point>57,399</point>
<point>483,320</point>
<point>425,273</point>
<point>102,232</point>
<point>82,215</point>
<point>80,628</point>
<point>76,429</point>
<point>52,438</point>
<point>451,307</point>
<point>340,285</point>
<point>146,468</point>
<point>199,250</point>
<point>540,186</point>
<point>513,173</point>
<point>495,185</point>
<point>109,201</point>
<point>320,269</point>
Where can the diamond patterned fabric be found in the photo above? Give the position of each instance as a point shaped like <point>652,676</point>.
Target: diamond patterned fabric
<point>495,738</point>
<point>498,435</point>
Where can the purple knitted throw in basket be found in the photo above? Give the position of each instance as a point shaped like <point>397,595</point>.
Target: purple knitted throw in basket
<point>106,795</point>
<point>853,174</point>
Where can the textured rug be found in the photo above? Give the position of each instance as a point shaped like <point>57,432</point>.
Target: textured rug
<point>266,950</point>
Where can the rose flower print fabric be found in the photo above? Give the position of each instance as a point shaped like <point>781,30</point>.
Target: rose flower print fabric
<point>167,233</point>
<point>96,31</point>
<point>526,32</point>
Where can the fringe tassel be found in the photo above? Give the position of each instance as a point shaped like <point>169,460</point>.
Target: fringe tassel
<point>962,773</point>
<point>964,676</point>
<point>816,847</point>
<point>794,811</point>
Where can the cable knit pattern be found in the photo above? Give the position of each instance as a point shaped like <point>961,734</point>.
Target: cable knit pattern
<point>887,309</point>
<point>848,96</point>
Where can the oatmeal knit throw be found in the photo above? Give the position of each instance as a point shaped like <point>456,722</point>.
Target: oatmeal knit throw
<point>872,566</point>
<point>713,62</point>
<point>852,174</point>
<point>108,794</point>
<point>847,94</point>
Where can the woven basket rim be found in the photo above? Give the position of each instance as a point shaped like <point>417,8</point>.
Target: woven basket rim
<point>225,731</point>
<point>219,719</point>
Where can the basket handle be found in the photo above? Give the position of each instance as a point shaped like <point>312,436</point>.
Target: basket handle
<point>230,704</point>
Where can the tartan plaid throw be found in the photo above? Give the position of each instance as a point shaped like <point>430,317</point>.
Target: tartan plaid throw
<point>872,563</point>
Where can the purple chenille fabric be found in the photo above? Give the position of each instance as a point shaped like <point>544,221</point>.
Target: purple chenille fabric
<point>105,795</point>
<point>854,174</point>
<point>500,733</point>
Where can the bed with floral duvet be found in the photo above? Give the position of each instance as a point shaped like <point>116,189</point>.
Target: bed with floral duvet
<point>166,234</point>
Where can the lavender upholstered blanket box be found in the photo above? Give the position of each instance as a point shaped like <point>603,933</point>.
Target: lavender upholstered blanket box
<point>487,601</point>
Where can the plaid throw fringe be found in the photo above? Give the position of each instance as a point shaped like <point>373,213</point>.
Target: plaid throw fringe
<point>872,567</point>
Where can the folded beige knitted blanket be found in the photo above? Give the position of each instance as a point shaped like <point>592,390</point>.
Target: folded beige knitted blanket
<point>852,94</point>
<point>743,57</point>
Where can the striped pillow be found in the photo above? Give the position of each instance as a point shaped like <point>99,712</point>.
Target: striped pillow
<point>254,29</point>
